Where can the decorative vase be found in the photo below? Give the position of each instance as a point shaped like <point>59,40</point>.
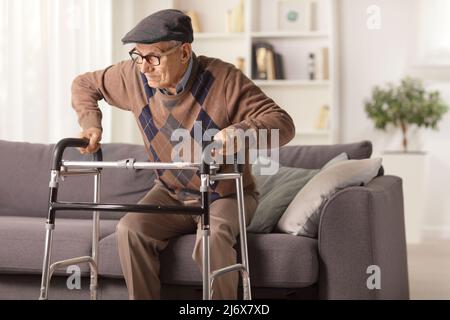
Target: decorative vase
<point>412,168</point>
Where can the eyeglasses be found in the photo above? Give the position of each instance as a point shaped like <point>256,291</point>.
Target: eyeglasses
<point>150,58</point>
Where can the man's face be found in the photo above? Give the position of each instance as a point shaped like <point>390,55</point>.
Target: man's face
<point>172,65</point>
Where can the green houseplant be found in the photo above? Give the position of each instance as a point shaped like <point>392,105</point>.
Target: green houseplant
<point>405,105</point>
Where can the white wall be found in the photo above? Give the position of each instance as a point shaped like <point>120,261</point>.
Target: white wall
<point>374,57</point>
<point>370,57</point>
<point>126,14</point>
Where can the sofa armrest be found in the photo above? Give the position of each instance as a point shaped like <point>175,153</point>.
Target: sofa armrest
<point>360,227</point>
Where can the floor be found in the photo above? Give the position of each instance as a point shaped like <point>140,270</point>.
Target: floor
<point>429,270</point>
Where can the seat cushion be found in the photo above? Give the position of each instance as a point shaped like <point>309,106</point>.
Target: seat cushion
<point>22,242</point>
<point>276,260</point>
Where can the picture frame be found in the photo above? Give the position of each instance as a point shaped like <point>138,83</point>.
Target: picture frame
<point>294,15</point>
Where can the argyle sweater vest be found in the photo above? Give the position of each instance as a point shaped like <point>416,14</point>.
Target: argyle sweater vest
<point>198,108</point>
<point>217,96</point>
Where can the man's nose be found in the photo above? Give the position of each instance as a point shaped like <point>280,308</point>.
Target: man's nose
<point>145,66</point>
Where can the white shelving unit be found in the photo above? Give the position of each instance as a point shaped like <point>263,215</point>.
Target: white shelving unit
<point>287,83</point>
<point>219,35</point>
<point>289,34</point>
<point>300,97</point>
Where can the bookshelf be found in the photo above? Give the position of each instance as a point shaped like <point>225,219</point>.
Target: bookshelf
<point>307,101</point>
<point>289,34</point>
<point>293,83</point>
<point>219,35</point>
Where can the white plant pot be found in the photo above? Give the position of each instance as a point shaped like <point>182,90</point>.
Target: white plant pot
<point>412,168</point>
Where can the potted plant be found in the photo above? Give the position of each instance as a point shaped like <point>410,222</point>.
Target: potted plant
<point>405,105</point>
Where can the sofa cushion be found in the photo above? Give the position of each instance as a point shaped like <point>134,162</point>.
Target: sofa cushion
<point>277,190</point>
<point>315,157</point>
<point>275,193</point>
<point>25,172</point>
<point>303,213</point>
<point>276,260</point>
<point>22,242</point>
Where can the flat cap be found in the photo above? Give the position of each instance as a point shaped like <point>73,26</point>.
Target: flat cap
<point>164,25</point>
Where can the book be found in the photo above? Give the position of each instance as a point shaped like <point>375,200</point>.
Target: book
<point>261,53</point>
<point>240,63</point>
<point>270,61</point>
<point>322,120</point>
<point>279,67</point>
<point>235,18</point>
<point>194,20</point>
<point>325,64</point>
<point>322,64</point>
<point>261,66</point>
<point>267,63</point>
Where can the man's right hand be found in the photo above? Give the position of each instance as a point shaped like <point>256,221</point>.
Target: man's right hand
<point>95,136</point>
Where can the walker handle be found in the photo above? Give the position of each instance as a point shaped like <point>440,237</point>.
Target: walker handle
<point>238,168</point>
<point>71,143</point>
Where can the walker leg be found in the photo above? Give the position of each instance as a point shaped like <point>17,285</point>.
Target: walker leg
<point>207,284</point>
<point>243,237</point>
<point>206,272</point>
<point>95,240</point>
<point>49,227</point>
<point>46,264</point>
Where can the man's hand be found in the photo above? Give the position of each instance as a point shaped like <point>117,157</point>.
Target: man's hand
<point>95,136</point>
<point>230,141</point>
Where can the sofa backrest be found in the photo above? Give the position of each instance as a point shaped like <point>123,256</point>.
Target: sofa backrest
<point>25,175</point>
<point>314,157</point>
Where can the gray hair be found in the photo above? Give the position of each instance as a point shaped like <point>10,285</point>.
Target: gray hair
<point>174,43</point>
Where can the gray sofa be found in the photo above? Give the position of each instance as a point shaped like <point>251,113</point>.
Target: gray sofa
<point>360,226</point>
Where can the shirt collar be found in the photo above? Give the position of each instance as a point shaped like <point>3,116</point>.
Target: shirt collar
<point>183,82</point>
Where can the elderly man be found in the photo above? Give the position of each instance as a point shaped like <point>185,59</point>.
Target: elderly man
<point>167,87</point>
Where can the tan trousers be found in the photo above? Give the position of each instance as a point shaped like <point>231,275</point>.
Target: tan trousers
<point>142,236</point>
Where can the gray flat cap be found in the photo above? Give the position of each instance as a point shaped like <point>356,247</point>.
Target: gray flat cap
<point>164,25</point>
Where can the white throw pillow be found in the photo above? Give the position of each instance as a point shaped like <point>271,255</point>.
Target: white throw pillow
<point>302,215</point>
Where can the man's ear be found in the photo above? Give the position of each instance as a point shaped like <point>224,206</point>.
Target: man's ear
<point>187,51</point>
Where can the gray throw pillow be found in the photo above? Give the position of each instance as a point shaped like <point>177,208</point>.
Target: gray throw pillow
<point>303,213</point>
<point>276,191</point>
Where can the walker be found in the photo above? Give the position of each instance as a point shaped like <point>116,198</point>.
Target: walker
<point>208,174</point>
